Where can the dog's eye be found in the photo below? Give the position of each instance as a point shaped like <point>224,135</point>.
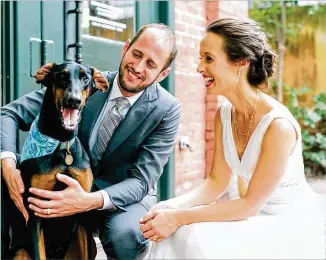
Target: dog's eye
<point>61,76</point>
<point>85,78</point>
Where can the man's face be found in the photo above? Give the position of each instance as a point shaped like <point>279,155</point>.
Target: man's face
<point>143,62</point>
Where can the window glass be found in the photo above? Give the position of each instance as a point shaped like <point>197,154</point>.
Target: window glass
<point>109,19</point>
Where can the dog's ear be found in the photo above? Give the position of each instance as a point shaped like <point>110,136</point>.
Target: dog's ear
<point>101,82</point>
<point>43,72</point>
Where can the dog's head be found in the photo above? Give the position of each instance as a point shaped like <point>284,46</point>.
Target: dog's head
<point>71,84</point>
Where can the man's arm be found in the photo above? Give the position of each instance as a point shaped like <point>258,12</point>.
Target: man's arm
<point>19,114</point>
<point>153,155</point>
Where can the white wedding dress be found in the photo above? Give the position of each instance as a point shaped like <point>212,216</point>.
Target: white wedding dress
<point>289,226</point>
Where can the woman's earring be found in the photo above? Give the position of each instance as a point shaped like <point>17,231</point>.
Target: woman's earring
<point>239,74</point>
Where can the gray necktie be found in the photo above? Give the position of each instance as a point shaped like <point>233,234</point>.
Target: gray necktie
<point>109,123</point>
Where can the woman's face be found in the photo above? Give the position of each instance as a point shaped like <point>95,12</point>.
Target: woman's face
<point>219,73</point>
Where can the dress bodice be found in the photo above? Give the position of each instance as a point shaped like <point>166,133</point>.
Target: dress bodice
<point>293,177</point>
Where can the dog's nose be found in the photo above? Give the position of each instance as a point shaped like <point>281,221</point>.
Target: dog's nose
<point>73,101</point>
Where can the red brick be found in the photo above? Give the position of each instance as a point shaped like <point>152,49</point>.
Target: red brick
<point>210,144</point>
<point>211,106</point>
<point>209,135</point>
<point>210,115</point>
<point>209,162</point>
<point>191,167</point>
<point>210,125</point>
<point>211,97</point>
<point>212,10</point>
<point>180,26</point>
<point>207,172</point>
<point>209,154</point>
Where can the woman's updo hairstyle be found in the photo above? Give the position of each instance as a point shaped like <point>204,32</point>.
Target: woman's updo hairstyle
<point>245,40</point>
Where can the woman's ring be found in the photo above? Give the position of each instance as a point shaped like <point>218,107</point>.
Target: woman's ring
<point>49,211</point>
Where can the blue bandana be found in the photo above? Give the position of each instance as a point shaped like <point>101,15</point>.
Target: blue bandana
<point>37,144</point>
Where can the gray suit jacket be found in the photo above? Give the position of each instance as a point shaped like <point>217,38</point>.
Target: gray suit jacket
<point>137,152</point>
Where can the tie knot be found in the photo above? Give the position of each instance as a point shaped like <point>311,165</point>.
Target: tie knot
<point>121,101</point>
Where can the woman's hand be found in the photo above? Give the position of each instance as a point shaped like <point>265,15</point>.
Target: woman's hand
<point>166,204</point>
<point>160,224</point>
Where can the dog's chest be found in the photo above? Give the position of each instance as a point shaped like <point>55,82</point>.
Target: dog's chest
<point>50,165</point>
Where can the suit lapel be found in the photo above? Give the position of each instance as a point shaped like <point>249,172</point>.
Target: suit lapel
<point>137,113</point>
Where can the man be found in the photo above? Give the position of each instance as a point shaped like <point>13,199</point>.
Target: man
<point>126,173</point>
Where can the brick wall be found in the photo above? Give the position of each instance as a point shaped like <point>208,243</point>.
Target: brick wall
<point>212,13</point>
<point>198,109</point>
<point>190,25</point>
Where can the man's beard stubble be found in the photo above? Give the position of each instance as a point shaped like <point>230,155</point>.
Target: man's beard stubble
<point>129,89</point>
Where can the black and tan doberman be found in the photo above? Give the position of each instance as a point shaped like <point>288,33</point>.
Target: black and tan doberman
<point>68,87</point>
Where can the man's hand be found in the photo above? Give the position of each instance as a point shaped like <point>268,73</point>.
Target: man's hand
<point>15,184</point>
<point>63,203</point>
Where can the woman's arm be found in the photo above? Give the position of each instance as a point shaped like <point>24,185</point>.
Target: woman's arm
<point>215,185</point>
<point>278,143</point>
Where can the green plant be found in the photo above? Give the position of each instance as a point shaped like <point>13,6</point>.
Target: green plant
<point>313,123</point>
<point>282,21</point>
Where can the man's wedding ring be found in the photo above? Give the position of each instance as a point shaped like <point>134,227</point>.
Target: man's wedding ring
<point>49,211</point>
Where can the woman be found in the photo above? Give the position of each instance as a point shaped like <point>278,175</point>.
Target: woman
<point>257,138</point>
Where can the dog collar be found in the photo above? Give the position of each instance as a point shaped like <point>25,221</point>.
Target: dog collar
<point>64,145</point>
<point>38,145</point>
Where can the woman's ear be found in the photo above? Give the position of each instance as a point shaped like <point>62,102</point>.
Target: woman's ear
<point>243,63</point>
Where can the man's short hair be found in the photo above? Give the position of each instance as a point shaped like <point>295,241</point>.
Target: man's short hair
<point>169,39</point>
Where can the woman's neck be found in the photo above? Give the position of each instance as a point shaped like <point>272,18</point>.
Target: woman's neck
<point>244,99</point>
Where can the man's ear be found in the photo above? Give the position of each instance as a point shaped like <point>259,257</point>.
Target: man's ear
<point>101,82</point>
<point>163,74</point>
<point>125,47</point>
<point>42,74</point>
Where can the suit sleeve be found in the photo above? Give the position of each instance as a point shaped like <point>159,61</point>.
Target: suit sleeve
<point>147,169</point>
<point>19,114</point>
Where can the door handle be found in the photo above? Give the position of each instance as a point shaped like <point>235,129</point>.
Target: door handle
<point>48,51</point>
<point>40,53</point>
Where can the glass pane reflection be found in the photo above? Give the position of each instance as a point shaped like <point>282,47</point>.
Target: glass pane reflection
<point>109,19</point>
